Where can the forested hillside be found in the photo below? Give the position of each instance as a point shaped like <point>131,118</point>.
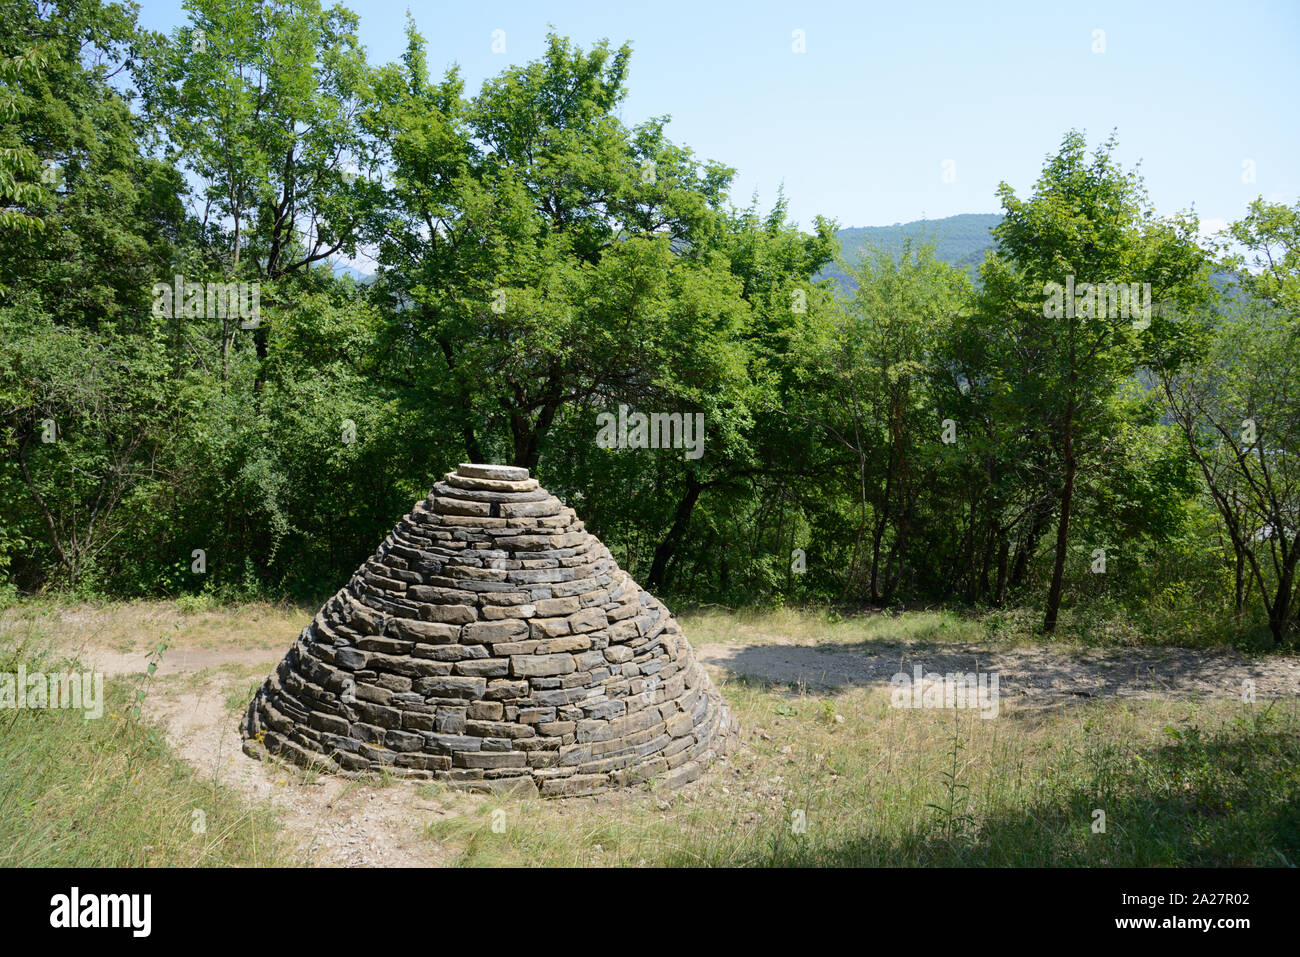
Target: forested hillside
<point>960,241</point>
<point>193,401</point>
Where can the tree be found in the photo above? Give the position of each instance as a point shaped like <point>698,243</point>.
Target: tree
<point>758,453</point>
<point>1263,249</point>
<point>1238,407</point>
<point>262,101</point>
<point>879,404</point>
<point>1077,266</point>
<point>84,373</point>
<point>537,253</point>
<point>20,168</point>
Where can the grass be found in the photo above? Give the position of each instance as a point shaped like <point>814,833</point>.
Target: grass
<point>241,694</point>
<point>1212,784</point>
<point>1095,626</point>
<point>109,792</point>
<point>132,626</point>
<point>822,779</point>
<point>802,626</point>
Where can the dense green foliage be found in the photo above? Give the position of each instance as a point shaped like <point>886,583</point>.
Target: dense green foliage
<point>922,437</point>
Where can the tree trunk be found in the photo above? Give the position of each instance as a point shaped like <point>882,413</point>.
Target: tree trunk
<point>881,519</point>
<point>983,588</point>
<point>1062,528</point>
<point>1279,613</point>
<point>1020,567</point>
<point>1004,552</point>
<point>472,450</point>
<point>528,436</point>
<point>260,343</point>
<point>66,556</point>
<point>1239,590</point>
<point>667,548</point>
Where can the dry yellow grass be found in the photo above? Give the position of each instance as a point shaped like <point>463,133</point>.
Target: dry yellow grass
<point>823,777</point>
<point>894,787</point>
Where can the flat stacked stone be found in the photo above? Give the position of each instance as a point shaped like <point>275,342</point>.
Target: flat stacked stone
<point>493,643</point>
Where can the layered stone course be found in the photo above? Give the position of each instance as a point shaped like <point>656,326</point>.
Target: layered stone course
<point>493,643</point>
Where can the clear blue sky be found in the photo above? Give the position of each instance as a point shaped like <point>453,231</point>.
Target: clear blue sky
<point>860,125</point>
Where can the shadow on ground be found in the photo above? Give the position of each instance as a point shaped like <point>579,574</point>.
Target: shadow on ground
<point>1038,675</point>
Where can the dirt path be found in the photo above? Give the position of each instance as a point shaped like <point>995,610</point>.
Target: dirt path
<point>178,661</point>
<point>335,822</point>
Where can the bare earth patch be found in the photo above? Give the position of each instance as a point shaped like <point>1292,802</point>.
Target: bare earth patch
<point>1039,676</point>
<point>336,822</point>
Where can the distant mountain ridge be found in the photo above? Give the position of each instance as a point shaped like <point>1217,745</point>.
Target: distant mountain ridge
<point>342,269</point>
<point>959,240</point>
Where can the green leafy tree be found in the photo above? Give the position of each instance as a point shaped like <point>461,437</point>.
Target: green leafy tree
<point>1238,407</point>
<point>1063,257</point>
<point>538,255</point>
<point>262,102</point>
<point>1263,248</point>
<point>879,404</point>
<point>21,59</point>
<point>84,372</point>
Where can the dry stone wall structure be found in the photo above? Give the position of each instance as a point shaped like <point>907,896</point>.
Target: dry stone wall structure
<point>492,642</point>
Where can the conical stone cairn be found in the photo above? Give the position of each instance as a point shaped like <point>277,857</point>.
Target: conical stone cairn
<point>493,643</point>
